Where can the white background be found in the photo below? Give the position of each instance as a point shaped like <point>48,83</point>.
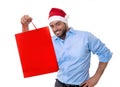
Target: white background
<point>101,17</point>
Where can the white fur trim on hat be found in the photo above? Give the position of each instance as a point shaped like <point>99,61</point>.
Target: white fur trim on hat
<point>59,18</point>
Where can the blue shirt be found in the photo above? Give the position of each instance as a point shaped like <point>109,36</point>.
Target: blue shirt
<point>74,53</point>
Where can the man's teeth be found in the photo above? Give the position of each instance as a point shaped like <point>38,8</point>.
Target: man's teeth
<point>57,32</point>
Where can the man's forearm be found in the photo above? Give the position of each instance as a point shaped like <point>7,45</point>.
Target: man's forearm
<point>100,69</point>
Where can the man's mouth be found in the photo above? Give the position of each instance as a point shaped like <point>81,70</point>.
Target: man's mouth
<point>57,32</point>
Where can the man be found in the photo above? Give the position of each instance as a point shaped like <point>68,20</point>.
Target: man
<point>73,50</point>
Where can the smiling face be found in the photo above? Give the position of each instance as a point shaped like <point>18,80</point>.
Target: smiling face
<point>59,28</point>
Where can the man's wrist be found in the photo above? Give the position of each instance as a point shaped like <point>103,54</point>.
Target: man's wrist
<point>24,28</point>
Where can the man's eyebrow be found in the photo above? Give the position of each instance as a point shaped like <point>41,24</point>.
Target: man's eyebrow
<point>58,22</point>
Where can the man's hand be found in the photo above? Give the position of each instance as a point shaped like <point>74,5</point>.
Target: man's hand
<point>90,82</point>
<point>25,21</point>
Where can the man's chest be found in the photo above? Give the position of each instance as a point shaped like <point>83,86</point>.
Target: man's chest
<point>71,48</point>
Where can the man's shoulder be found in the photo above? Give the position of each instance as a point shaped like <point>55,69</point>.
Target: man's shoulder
<point>82,32</point>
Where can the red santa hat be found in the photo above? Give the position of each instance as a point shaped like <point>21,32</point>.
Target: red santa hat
<point>57,14</point>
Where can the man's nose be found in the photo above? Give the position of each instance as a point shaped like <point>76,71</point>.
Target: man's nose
<point>55,28</point>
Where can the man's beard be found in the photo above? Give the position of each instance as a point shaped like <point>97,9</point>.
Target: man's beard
<point>62,36</point>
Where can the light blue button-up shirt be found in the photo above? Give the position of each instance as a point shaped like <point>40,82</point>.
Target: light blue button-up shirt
<point>74,53</point>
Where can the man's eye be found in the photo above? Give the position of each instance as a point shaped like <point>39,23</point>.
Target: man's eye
<point>51,26</point>
<point>58,24</point>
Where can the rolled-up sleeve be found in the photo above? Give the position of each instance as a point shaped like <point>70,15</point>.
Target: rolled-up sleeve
<point>97,47</point>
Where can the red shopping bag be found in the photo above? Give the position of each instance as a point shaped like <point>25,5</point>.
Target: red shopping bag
<point>36,52</point>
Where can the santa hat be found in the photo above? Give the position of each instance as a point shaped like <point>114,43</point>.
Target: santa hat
<point>57,14</point>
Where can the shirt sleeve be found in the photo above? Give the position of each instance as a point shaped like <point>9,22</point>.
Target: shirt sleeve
<point>97,47</point>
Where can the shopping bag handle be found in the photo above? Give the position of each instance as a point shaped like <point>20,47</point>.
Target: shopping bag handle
<point>34,25</point>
